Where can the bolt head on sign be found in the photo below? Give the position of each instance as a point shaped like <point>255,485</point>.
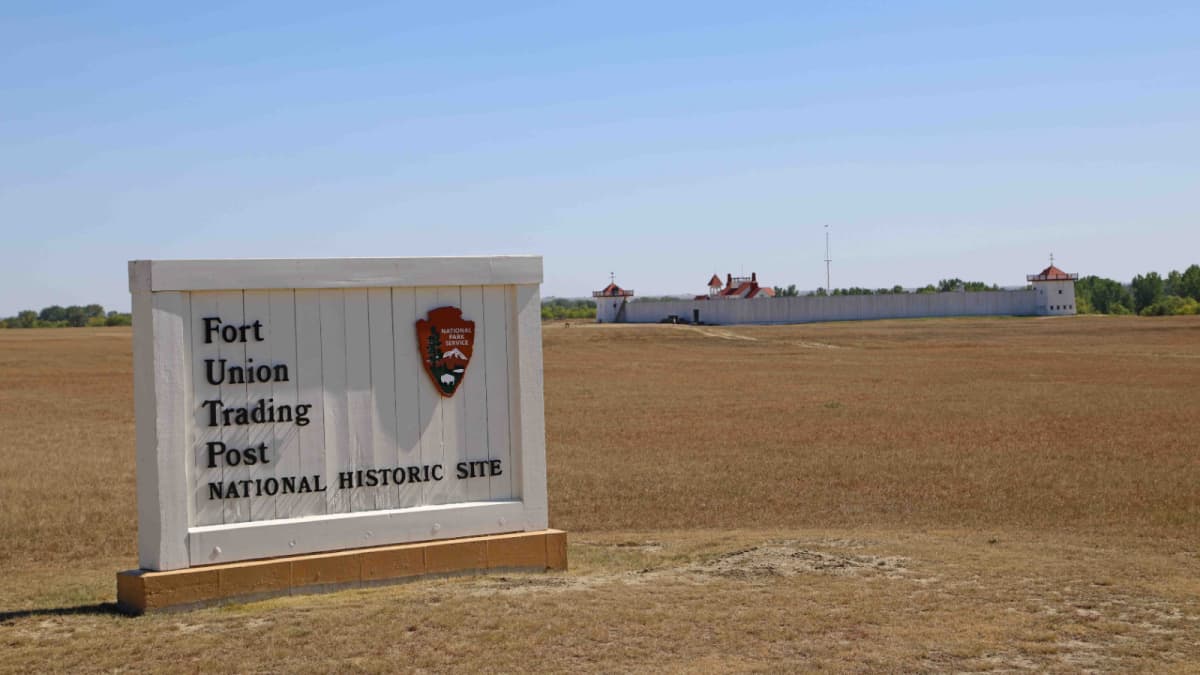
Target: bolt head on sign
<point>445,341</point>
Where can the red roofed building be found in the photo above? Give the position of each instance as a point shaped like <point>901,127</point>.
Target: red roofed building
<point>610,303</point>
<point>1055,291</point>
<point>736,288</point>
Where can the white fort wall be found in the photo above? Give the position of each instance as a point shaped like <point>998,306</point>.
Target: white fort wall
<point>807,309</point>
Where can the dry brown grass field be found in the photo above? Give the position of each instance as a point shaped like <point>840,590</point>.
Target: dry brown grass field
<point>989,495</point>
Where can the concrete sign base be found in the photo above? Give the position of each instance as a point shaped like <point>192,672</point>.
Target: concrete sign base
<point>140,591</point>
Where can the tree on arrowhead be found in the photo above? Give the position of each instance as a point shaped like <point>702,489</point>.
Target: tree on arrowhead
<point>435,347</point>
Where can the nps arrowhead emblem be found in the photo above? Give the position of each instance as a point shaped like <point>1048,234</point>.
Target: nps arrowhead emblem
<point>445,341</point>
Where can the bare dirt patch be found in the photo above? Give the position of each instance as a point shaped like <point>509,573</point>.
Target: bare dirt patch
<point>723,334</point>
<point>786,559</point>
<point>753,563</point>
<point>816,345</point>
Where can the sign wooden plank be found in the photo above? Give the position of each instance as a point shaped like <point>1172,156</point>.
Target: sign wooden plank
<point>349,530</point>
<point>474,404</point>
<point>310,437</point>
<point>161,401</point>
<point>360,427</point>
<point>187,424</point>
<point>514,390</point>
<point>382,392</point>
<point>409,385</point>
<point>319,411</point>
<point>216,275</point>
<point>205,354</point>
<point>285,391</point>
<point>260,437</point>
<point>532,418</point>
<point>234,402</point>
<point>497,317</point>
<point>338,457</point>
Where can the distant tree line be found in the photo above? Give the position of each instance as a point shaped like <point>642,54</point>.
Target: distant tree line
<point>1147,294</point>
<point>74,316</point>
<point>942,286</point>
<point>566,308</point>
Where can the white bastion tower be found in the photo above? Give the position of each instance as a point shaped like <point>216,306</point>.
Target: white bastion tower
<point>1055,291</point>
<point>610,303</point>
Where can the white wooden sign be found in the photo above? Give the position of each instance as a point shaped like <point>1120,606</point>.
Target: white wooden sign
<point>296,406</point>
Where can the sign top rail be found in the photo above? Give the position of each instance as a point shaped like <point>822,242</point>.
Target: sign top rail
<point>221,275</point>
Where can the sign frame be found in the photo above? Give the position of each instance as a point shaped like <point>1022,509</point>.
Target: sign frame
<point>168,538</point>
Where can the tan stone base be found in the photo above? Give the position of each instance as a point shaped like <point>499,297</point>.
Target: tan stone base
<point>140,591</point>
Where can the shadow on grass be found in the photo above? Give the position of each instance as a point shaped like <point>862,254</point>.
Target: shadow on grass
<point>97,609</point>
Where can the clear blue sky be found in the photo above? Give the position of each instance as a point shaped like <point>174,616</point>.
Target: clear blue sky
<point>660,141</point>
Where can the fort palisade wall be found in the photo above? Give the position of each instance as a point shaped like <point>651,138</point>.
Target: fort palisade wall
<point>808,309</point>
